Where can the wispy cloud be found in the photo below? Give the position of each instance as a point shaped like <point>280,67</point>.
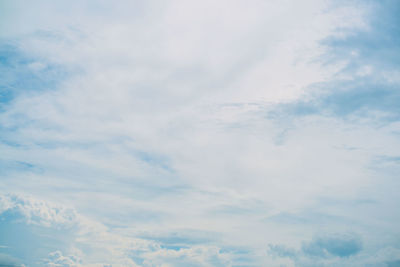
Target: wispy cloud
<point>197,133</point>
<point>366,84</point>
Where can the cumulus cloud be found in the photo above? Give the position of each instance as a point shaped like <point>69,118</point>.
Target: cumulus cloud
<point>47,241</point>
<point>341,246</point>
<point>333,250</point>
<point>37,212</point>
<point>56,259</point>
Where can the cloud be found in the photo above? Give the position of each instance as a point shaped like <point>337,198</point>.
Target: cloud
<point>22,73</point>
<point>340,245</point>
<point>393,263</point>
<point>282,251</point>
<point>148,124</point>
<point>38,232</point>
<point>366,84</point>
<point>38,212</point>
<point>327,250</point>
<point>56,259</point>
<point>8,261</point>
<point>333,250</point>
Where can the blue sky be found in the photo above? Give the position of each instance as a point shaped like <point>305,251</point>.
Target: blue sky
<point>199,133</point>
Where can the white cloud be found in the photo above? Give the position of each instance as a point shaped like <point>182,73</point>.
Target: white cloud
<point>56,259</point>
<point>38,212</point>
<point>92,244</point>
<point>161,126</point>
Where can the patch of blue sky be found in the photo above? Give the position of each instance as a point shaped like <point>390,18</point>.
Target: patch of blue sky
<point>154,160</point>
<point>282,251</point>
<point>184,238</point>
<point>21,73</point>
<point>360,97</point>
<point>369,82</point>
<point>388,159</point>
<point>395,263</point>
<point>8,261</point>
<point>341,246</point>
<point>378,44</point>
<point>385,164</point>
<point>29,243</point>
<point>8,142</point>
<point>333,245</point>
<point>7,166</point>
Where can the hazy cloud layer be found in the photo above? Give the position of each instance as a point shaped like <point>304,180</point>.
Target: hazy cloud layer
<point>199,133</point>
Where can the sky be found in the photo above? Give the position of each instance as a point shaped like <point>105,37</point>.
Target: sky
<point>200,133</point>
